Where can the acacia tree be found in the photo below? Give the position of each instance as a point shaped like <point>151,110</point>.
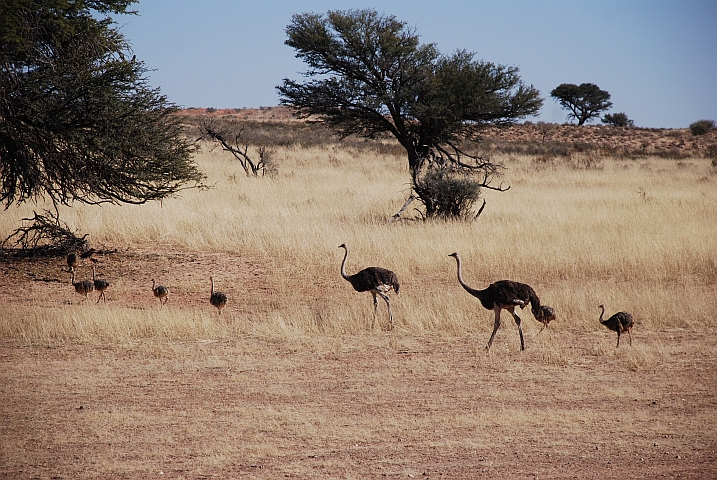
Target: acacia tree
<point>78,121</point>
<point>369,75</point>
<point>584,101</point>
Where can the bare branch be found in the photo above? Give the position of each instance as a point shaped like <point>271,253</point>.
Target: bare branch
<point>480,210</point>
<point>45,236</point>
<point>239,150</point>
<point>397,215</point>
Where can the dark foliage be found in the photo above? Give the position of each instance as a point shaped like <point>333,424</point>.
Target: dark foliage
<point>618,120</point>
<point>369,76</point>
<point>447,194</point>
<point>78,121</point>
<point>584,101</point>
<point>701,127</point>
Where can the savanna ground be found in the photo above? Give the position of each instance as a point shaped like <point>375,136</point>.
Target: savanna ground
<point>292,382</point>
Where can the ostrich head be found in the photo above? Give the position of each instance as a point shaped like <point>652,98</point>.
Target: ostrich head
<point>545,315</point>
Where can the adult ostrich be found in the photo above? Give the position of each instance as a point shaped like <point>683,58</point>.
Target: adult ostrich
<point>378,281</point>
<point>506,295</point>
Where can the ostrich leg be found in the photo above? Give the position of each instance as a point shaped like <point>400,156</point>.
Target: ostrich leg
<point>375,309</point>
<point>388,304</point>
<point>520,327</point>
<point>495,326</point>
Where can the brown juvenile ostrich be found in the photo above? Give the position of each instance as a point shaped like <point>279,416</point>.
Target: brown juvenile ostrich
<point>218,299</point>
<point>506,295</point>
<point>71,262</point>
<point>161,292</point>
<point>378,281</point>
<point>83,287</point>
<point>620,322</point>
<point>100,285</point>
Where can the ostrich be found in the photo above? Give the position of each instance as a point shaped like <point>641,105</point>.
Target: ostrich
<point>161,292</point>
<point>71,262</point>
<point>378,281</point>
<point>100,285</point>
<point>546,315</point>
<point>620,322</point>
<point>506,295</point>
<point>83,287</point>
<point>218,299</point>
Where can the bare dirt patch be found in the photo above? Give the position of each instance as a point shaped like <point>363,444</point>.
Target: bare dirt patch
<point>46,281</point>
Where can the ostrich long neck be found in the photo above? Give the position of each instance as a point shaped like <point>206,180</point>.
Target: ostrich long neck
<point>602,313</point>
<point>472,291</point>
<point>343,264</point>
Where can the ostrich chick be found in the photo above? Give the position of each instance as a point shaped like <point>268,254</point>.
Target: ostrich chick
<point>217,299</point>
<point>161,293</point>
<point>83,287</point>
<point>71,262</point>
<point>100,285</point>
<point>620,322</point>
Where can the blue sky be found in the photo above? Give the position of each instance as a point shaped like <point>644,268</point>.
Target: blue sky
<point>658,59</point>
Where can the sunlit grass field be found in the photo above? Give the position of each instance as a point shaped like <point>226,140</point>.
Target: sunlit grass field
<point>634,235</point>
<point>292,381</point>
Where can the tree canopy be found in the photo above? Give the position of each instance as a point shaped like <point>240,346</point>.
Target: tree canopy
<point>584,101</point>
<point>78,120</point>
<point>369,74</point>
<point>618,120</point>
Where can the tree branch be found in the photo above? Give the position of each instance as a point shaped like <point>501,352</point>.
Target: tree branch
<point>239,152</point>
<point>397,215</point>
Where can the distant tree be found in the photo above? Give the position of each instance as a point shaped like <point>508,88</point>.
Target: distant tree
<point>584,101</point>
<point>617,120</point>
<point>700,127</point>
<point>78,121</point>
<point>369,75</point>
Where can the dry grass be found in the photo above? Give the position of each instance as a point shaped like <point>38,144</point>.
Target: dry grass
<point>636,236</point>
<point>291,381</point>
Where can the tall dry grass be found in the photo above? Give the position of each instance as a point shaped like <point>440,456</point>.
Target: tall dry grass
<point>635,235</point>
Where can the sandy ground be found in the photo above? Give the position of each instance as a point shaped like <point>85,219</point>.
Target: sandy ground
<point>381,404</point>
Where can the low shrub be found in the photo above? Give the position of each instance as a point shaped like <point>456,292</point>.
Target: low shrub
<point>700,127</point>
<point>618,120</point>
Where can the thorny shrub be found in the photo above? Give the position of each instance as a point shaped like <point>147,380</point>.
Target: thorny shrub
<point>701,127</point>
